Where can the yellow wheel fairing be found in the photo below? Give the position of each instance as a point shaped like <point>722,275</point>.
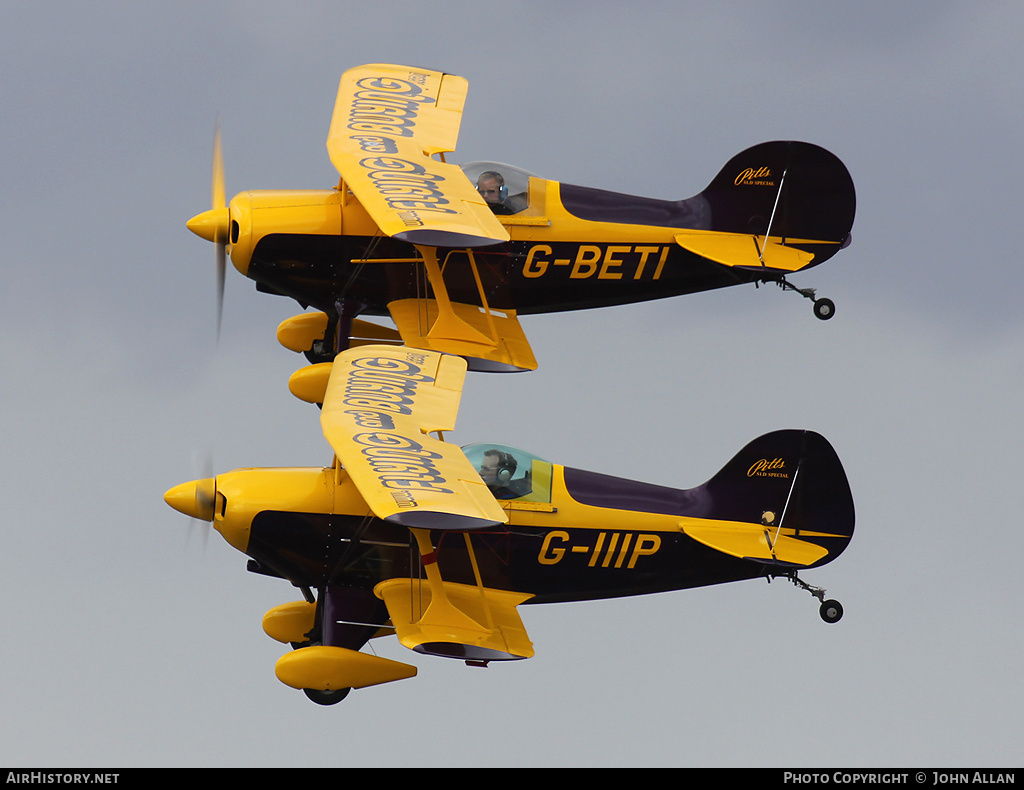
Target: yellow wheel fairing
<point>332,668</point>
<point>290,622</point>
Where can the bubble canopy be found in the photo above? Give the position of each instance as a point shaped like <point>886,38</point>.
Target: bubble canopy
<point>511,473</point>
<point>512,183</point>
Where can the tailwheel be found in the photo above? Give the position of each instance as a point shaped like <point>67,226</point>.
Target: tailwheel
<point>332,697</point>
<point>831,611</point>
<point>824,309</point>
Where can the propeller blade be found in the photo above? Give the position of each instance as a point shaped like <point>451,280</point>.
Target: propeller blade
<point>217,197</point>
<point>218,201</point>
<point>221,274</point>
<point>214,224</point>
<point>197,498</point>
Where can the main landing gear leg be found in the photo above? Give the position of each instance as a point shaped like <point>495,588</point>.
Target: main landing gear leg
<point>338,333</point>
<point>831,611</point>
<point>347,312</point>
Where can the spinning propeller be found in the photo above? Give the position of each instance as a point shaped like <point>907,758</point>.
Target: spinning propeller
<point>196,499</point>
<point>213,225</point>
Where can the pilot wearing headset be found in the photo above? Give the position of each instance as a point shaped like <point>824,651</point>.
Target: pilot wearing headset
<point>491,186</point>
<point>497,470</point>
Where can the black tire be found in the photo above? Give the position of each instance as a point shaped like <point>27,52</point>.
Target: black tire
<point>332,697</point>
<point>824,309</point>
<point>831,611</point>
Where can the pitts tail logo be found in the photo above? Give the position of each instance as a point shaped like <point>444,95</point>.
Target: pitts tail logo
<point>764,467</point>
<point>755,177</point>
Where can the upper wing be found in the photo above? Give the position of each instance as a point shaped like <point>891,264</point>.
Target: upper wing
<point>388,122</point>
<point>379,405</point>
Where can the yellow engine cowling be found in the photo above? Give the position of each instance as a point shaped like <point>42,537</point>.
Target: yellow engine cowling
<point>232,499</point>
<point>254,215</point>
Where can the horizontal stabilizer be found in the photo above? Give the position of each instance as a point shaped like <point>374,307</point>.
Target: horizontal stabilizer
<point>745,250</point>
<point>473,624</point>
<point>491,340</point>
<point>759,542</point>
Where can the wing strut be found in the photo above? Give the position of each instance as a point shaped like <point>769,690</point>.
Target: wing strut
<point>440,608</point>
<point>447,325</point>
<point>470,622</point>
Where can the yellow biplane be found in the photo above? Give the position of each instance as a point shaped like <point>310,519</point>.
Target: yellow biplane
<point>406,534</point>
<point>455,255</point>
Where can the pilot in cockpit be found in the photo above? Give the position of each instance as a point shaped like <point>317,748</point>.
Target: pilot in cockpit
<point>491,186</point>
<point>497,470</point>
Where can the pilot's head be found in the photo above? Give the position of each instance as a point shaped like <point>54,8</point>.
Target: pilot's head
<point>491,186</point>
<point>497,467</point>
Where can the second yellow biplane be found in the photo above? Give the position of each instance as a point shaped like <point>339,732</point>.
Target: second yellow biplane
<point>407,534</point>
<point>455,255</point>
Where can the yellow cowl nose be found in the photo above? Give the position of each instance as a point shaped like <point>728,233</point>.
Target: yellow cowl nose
<point>211,225</point>
<point>193,499</point>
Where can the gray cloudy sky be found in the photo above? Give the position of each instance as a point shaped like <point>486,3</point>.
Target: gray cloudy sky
<point>127,642</point>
